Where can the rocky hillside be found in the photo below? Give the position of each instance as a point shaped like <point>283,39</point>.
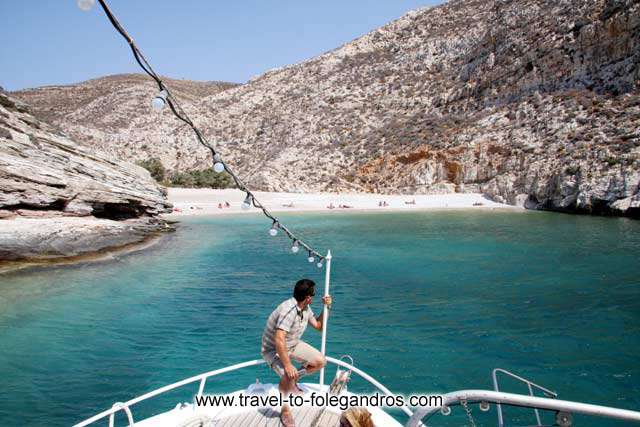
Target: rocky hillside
<point>59,198</point>
<point>113,114</point>
<point>532,102</point>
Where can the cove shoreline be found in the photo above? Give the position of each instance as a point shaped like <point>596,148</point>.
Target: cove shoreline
<point>206,202</point>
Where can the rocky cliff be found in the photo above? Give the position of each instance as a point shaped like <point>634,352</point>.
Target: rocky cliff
<point>59,198</point>
<point>532,102</point>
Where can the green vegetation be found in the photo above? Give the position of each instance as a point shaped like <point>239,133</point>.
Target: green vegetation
<point>612,161</point>
<point>203,178</point>
<point>155,168</point>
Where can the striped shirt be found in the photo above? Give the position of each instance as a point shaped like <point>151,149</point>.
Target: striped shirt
<point>290,319</point>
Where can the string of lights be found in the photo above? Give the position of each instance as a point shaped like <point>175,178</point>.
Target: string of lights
<point>165,97</point>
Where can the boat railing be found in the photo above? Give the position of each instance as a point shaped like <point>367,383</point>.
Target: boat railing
<point>531,385</point>
<point>564,408</point>
<point>202,379</point>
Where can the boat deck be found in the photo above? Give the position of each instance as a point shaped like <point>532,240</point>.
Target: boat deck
<point>260,417</point>
<point>266,417</point>
<point>187,415</point>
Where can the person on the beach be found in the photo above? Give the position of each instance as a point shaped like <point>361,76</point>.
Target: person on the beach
<point>281,343</point>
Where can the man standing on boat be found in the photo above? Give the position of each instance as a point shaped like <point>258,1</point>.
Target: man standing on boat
<point>281,343</point>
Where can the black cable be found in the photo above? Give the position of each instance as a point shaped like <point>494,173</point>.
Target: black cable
<point>177,111</point>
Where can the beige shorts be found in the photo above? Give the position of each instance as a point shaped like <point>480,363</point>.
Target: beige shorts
<point>302,353</point>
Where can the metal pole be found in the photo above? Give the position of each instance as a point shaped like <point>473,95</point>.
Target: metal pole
<point>325,312</point>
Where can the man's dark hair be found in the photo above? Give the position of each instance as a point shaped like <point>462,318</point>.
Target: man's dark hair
<point>303,289</point>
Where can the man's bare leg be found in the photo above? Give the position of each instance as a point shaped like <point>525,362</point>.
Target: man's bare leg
<point>308,369</point>
<point>289,386</point>
<point>315,365</point>
<point>286,386</point>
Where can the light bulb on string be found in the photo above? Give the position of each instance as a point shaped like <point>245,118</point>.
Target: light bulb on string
<point>247,203</point>
<point>218,166</point>
<point>273,231</point>
<point>159,101</point>
<point>86,5</point>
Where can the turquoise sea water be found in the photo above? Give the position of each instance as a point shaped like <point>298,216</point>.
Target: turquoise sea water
<point>424,302</point>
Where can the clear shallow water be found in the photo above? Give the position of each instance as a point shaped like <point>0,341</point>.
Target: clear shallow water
<point>425,302</point>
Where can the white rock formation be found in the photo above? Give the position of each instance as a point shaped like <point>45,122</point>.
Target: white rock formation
<point>47,178</point>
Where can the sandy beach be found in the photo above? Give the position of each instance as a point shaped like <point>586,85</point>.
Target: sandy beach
<point>191,201</point>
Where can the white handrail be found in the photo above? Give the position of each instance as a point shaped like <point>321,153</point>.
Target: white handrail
<point>120,405</point>
<point>546,391</point>
<point>523,400</point>
<point>371,380</point>
<point>170,387</point>
<point>202,378</point>
<point>325,313</point>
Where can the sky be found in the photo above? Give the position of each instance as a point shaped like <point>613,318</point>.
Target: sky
<point>49,42</point>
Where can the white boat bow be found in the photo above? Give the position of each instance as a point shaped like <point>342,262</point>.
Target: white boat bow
<point>189,414</point>
<point>186,413</point>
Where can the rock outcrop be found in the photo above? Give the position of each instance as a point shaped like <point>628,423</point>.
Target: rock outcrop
<point>533,102</point>
<point>59,198</point>
<point>51,238</point>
